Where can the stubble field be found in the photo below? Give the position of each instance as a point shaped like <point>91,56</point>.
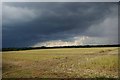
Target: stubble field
<point>61,63</point>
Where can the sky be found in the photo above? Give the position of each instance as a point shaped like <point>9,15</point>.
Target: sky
<point>60,0</point>
<point>35,24</point>
<point>0,25</point>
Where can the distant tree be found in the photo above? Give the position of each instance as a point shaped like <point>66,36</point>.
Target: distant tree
<point>43,47</point>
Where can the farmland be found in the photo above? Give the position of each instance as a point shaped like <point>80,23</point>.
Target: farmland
<point>61,63</point>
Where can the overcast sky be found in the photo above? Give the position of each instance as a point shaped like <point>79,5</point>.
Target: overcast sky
<point>60,0</point>
<point>33,24</point>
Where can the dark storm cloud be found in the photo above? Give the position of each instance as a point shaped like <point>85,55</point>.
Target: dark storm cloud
<point>25,24</point>
<point>0,25</point>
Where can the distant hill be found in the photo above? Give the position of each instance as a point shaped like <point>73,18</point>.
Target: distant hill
<point>43,47</point>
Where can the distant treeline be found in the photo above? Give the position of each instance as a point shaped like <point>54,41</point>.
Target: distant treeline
<point>43,47</point>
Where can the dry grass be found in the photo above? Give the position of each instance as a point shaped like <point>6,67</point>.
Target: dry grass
<point>61,63</point>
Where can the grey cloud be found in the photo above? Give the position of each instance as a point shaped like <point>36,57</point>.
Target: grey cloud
<point>0,25</point>
<point>52,21</point>
<point>61,1</point>
<point>108,27</point>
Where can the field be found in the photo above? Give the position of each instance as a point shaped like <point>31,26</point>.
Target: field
<point>61,63</point>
